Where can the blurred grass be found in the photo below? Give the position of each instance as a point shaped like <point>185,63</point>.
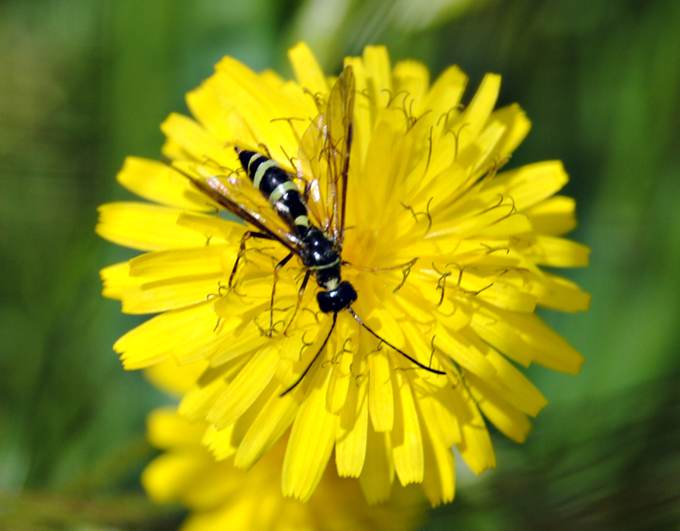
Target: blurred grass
<point>85,83</point>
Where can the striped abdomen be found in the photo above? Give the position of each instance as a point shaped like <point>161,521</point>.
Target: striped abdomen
<point>277,187</point>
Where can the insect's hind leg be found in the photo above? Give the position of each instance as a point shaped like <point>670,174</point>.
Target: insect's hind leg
<point>301,294</point>
<point>278,268</point>
<point>242,251</point>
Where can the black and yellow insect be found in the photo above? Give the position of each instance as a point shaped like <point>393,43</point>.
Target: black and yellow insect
<point>318,246</point>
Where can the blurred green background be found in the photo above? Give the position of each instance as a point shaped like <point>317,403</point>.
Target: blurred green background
<point>83,83</point>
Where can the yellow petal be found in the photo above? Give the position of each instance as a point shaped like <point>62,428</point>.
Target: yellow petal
<point>339,382</point>
<point>465,351</point>
<point>213,484</point>
<point>170,294</point>
<point>247,511</point>
<point>529,184</point>
<point>166,429</point>
<point>307,69</point>
<point>350,443</point>
<point>557,252</point>
<point>517,128</point>
<point>483,152</point>
<point>509,420</point>
<point>145,227</point>
<point>501,335</point>
<point>363,123</point>
<point>257,105</point>
<point>199,399</point>
<point>117,280</point>
<point>380,398</point>
<point>310,444</point>
<point>377,158</point>
<point>222,443</point>
<point>172,379</point>
<point>341,363</point>
<point>494,221</point>
<point>213,228</point>
<point>477,113</point>
<point>270,424</point>
<point>245,340</point>
<point>196,142</point>
<point>206,106</point>
<point>407,443</point>
<point>166,477</point>
<point>378,71</point>
<point>445,93</point>
<point>409,300</point>
<point>167,334</point>
<point>438,410</point>
<point>512,225</point>
<point>164,264</point>
<point>507,296</point>
<point>158,182</point>
<point>512,386</point>
<point>225,440</point>
<point>554,216</point>
<point>561,294</point>
<point>550,349</point>
<point>245,388</point>
<point>413,78</point>
<point>526,337</point>
<point>439,480</point>
<point>475,445</point>
<point>377,475</point>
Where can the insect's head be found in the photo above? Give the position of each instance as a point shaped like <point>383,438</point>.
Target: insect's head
<point>337,299</point>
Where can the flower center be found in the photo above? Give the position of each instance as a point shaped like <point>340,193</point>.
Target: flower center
<point>361,247</point>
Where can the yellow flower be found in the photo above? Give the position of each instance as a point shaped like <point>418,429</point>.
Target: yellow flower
<point>220,496</point>
<point>444,253</point>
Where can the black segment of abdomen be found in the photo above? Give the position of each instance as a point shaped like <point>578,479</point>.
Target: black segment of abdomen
<point>290,205</point>
<point>292,200</point>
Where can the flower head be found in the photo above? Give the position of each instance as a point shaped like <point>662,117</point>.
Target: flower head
<point>443,250</point>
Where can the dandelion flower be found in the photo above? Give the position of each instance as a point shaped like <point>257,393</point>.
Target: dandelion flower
<point>445,253</point>
<point>220,496</point>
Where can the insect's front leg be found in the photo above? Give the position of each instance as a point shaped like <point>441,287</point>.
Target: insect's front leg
<point>242,250</point>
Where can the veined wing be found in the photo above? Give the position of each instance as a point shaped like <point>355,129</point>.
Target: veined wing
<point>236,193</point>
<point>323,156</point>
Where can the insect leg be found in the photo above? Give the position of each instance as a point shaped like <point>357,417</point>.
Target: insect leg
<point>301,294</point>
<point>242,250</point>
<point>278,268</point>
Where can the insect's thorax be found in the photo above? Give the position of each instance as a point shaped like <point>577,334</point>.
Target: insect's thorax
<point>320,256</point>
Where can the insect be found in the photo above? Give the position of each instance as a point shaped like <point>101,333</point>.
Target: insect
<point>325,148</point>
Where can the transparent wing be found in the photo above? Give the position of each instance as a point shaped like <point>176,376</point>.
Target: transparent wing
<point>236,193</point>
<point>323,158</point>
<point>312,168</point>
